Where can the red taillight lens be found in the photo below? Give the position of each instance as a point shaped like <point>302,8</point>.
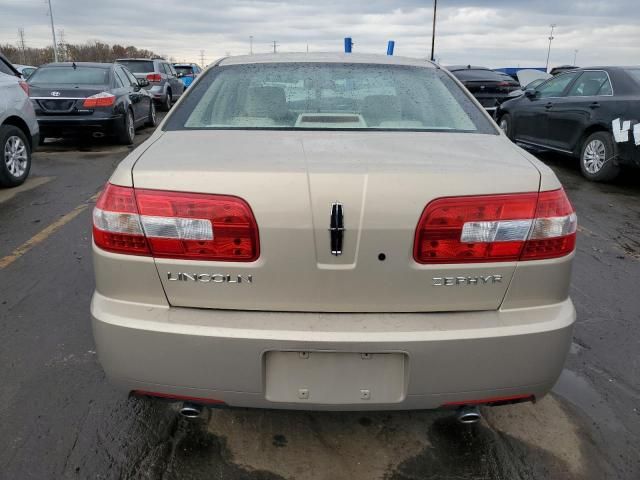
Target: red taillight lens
<point>154,77</point>
<point>179,225</point>
<point>491,228</point>
<point>116,223</point>
<point>102,99</point>
<point>24,86</point>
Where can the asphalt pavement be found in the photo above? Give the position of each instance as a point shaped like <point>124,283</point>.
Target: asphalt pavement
<point>60,418</point>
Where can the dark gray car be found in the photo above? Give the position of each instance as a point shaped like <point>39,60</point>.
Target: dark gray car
<point>164,84</point>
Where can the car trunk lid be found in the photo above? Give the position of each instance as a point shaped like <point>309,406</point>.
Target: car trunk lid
<point>62,99</point>
<point>383,181</point>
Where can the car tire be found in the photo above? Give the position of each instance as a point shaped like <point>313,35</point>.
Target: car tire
<point>597,158</point>
<point>15,156</point>
<point>505,124</point>
<point>152,121</point>
<point>127,130</point>
<point>166,105</point>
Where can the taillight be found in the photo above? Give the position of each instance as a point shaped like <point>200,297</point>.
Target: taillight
<point>191,226</point>
<point>154,77</point>
<point>24,86</point>
<point>102,99</point>
<point>494,228</point>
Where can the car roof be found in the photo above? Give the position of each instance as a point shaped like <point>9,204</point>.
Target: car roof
<point>79,64</point>
<point>452,68</point>
<point>140,59</point>
<point>326,58</point>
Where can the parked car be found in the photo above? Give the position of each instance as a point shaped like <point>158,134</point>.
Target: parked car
<point>587,113</point>
<point>97,98</point>
<point>19,131</point>
<point>25,70</point>
<point>529,78</point>
<point>489,87</point>
<point>187,72</point>
<point>164,84</point>
<point>381,246</point>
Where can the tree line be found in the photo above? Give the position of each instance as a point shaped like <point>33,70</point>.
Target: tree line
<point>94,51</point>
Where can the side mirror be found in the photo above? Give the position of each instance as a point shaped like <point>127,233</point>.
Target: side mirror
<point>143,82</point>
<point>531,93</point>
<point>180,75</point>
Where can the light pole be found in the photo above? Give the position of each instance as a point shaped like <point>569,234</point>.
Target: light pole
<point>433,31</point>
<point>575,56</point>
<point>250,44</point>
<point>553,26</point>
<point>53,33</point>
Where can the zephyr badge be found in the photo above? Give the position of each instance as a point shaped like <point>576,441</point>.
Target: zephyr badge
<point>336,228</point>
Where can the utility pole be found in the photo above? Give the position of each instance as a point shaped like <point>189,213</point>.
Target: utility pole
<point>553,26</point>
<point>22,45</point>
<point>53,33</point>
<point>433,31</point>
<point>202,58</point>
<point>250,44</point>
<point>62,48</point>
<point>575,55</point>
<point>275,46</point>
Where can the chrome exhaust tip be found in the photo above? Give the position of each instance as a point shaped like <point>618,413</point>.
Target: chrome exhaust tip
<point>190,410</point>
<point>468,415</point>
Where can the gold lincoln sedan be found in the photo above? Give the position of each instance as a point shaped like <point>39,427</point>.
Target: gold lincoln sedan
<point>332,232</point>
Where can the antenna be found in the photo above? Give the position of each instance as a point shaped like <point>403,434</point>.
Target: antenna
<point>275,46</point>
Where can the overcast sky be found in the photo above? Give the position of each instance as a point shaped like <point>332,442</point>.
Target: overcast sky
<point>494,33</point>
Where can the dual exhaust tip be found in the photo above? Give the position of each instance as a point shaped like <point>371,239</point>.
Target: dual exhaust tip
<point>466,415</point>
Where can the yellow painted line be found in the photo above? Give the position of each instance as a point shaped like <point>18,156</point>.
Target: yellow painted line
<point>45,233</point>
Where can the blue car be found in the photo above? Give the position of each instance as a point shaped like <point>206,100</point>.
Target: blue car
<point>187,72</point>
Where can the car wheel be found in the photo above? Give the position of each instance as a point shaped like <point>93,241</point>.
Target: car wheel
<point>152,120</point>
<point>166,105</point>
<point>127,130</point>
<point>505,124</point>
<point>597,158</point>
<point>16,156</point>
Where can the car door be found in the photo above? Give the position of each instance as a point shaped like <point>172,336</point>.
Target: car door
<point>133,91</point>
<point>174,82</point>
<point>531,122</point>
<point>179,88</point>
<point>572,114</point>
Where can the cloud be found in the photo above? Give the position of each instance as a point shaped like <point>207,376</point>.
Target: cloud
<point>497,33</point>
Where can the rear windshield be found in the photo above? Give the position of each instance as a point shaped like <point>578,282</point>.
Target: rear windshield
<point>137,66</point>
<point>184,70</point>
<point>476,75</point>
<point>68,75</point>
<point>328,96</point>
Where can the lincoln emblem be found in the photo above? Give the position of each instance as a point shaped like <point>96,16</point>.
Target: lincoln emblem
<point>336,228</point>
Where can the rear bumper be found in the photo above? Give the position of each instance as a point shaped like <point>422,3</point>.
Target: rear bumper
<point>53,125</point>
<point>221,355</point>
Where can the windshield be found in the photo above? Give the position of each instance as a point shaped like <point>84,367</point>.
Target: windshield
<point>137,66</point>
<point>319,96</point>
<point>185,70</point>
<point>68,75</point>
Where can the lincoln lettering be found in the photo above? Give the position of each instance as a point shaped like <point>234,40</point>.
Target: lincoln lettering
<point>458,281</point>
<point>208,277</point>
